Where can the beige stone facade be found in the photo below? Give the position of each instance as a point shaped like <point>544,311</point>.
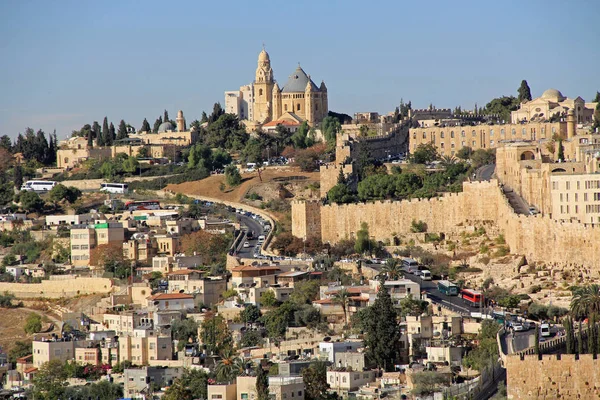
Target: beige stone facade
<point>450,139</point>
<point>551,378</point>
<point>539,238</point>
<point>264,100</point>
<point>85,239</point>
<point>141,350</point>
<point>552,103</point>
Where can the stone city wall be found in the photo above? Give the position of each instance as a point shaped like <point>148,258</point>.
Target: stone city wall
<point>553,377</point>
<point>537,237</point>
<point>329,174</point>
<point>58,288</point>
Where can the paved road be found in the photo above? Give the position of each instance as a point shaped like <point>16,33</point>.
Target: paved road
<point>253,226</point>
<point>485,173</point>
<point>454,303</point>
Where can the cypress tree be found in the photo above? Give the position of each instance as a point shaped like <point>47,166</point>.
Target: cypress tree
<point>18,176</point>
<point>579,340</point>
<point>96,133</point>
<point>166,116</point>
<point>262,383</point>
<point>157,124</point>
<point>382,333</point>
<point>145,126</point>
<point>111,134</point>
<point>204,117</point>
<point>592,340</point>
<point>537,340</point>
<point>122,132</point>
<point>568,323</point>
<point>561,150</point>
<point>524,92</point>
<point>90,140</point>
<point>104,134</point>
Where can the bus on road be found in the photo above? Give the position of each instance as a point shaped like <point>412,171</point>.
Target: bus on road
<point>38,186</point>
<point>118,188</point>
<point>448,288</point>
<point>472,297</point>
<point>142,205</point>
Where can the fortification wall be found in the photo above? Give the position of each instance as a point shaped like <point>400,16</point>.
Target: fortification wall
<point>58,288</point>
<point>328,176</point>
<point>553,378</point>
<point>538,237</point>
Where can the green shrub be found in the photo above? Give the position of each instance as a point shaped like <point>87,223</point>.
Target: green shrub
<point>500,239</point>
<point>502,251</point>
<point>418,226</point>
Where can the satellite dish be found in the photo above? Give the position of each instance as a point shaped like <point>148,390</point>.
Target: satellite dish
<point>326,339</point>
<point>181,291</point>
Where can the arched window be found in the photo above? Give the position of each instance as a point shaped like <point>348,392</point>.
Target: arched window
<point>491,132</point>
<point>285,107</point>
<point>442,135</point>
<point>462,133</point>
<point>260,92</point>
<point>514,131</point>
<point>452,134</point>
<point>66,160</point>
<point>502,131</point>
<point>524,131</point>
<point>298,107</point>
<point>473,133</point>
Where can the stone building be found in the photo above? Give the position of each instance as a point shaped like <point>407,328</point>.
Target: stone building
<point>552,103</point>
<point>265,101</point>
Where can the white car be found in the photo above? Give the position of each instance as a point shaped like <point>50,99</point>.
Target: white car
<point>246,245</point>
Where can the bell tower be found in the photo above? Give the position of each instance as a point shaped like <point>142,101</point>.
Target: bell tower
<point>263,89</point>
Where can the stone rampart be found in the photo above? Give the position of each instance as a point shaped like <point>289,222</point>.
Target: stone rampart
<point>329,175</point>
<point>55,289</point>
<point>553,377</point>
<point>537,237</point>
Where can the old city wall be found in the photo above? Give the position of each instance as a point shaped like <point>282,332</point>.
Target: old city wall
<point>553,378</point>
<point>329,174</point>
<point>539,238</point>
<point>351,145</point>
<point>55,289</point>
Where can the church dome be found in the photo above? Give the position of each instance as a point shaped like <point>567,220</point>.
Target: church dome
<point>298,82</point>
<point>553,95</point>
<point>264,56</point>
<point>165,127</point>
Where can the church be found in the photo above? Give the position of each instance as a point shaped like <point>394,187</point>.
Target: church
<point>263,103</point>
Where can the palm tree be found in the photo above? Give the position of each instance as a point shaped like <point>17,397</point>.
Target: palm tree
<point>342,297</point>
<point>392,269</point>
<point>586,301</point>
<point>447,161</point>
<point>229,367</point>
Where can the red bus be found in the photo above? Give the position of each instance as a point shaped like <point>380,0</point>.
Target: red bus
<point>472,297</point>
<point>142,205</point>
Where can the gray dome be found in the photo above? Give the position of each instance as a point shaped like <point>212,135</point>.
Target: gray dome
<point>553,95</point>
<point>297,82</point>
<point>166,127</point>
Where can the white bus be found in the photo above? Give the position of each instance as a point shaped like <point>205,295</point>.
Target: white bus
<point>38,186</point>
<point>119,188</point>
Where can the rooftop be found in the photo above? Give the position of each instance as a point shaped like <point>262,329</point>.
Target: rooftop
<point>171,296</point>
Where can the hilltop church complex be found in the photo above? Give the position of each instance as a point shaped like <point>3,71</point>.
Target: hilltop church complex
<point>264,103</point>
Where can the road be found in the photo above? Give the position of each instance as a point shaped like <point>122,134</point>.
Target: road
<point>454,303</point>
<point>253,226</point>
<point>485,173</point>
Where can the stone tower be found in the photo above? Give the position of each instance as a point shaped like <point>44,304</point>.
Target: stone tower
<point>309,100</point>
<point>276,102</point>
<point>180,122</point>
<point>263,89</point>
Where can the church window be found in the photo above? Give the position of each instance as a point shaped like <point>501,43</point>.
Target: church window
<point>452,134</point>
<point>285,107</point>
<point>462,134</point>
<point>502,131</point>
<point>298,107</point>
<point>424,135</point>
<point>514,131</point>
<point>260,92</point>
<point>491,132</point>
<point>473,133</point>
<point>524,131</point>
<point>442,135</point>
<point>452,145</point>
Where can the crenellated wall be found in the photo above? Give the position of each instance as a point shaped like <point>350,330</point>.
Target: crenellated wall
<point>329,175</point>
<point>553,377</point>
<point>538,237</point>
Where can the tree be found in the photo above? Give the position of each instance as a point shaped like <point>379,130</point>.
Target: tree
<point>464,153</point>
<point>570,338</point>
<point>487,351</point>
<point>130,164</point>
<point>166,116</point>
<point>229,367</point>
<point>537,340</point>
<point>428,382</point>
<point>392,269</point>
<point>262,383</point>
<point>211,247</point>
<point>105,133</point>
<point>61,192</point>
<point>90,139</point>
<point>19,349</point>
<point>424,154</point>
<point>502,107</point>
<point>250,314</point>
<point>342,297</point>
<point>561,151</point>
<point>340,194</point>
<point>251,338</point>
<point>382,331</point>
<point>50,381</point>
<point>122,132</point>
<point>585,301</point>
<point>268,299</point>
<point>363,241</point>
<point>6,143</point>
<point>179,390</point>
<point>232,175</point>
<point>185,330</point>
<point>102,390</point>
<point>157,124</point>
<point>411,306</point>
<point>110,257</point>
<point>524,92</point>
<point>215,334</point>
<point>31,201</point>
<point>111,134</point>
<point>204,117</point>
<point>315,381</point>
<point>145,126</point>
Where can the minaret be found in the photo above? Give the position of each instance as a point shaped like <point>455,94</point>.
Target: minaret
<point>276,102</point>
<point>308,103</point>
<point>180,122</point>
<point>263,88</point>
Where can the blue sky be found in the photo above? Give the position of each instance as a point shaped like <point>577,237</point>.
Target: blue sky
<point>67,63</point>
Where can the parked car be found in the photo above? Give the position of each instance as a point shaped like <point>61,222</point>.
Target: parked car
<point>246,245</point>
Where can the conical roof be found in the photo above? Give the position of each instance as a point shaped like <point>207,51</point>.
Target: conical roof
<point>297,82</point>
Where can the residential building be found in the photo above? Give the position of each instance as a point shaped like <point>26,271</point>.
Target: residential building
<point>171,301</point>
<point>139,380</point>
<point>141,350</point>
<point>343,381</point>
<point>286,387</point>
<point>246,388</point>
<point>445,354</point>
<point>85,238</point>
<point>222,392</point>
<point>47,350</point>
<point>250,274</point>
<point>329,350</point>
<point>88,355</point>
<point>399,289</point>
<point>207,290</point>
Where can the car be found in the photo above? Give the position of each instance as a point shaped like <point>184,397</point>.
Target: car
<point>518,327</point>
<point>261,238</point>
<point>545,330</point>
<point>533,211</point>
<point>246,245</point>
